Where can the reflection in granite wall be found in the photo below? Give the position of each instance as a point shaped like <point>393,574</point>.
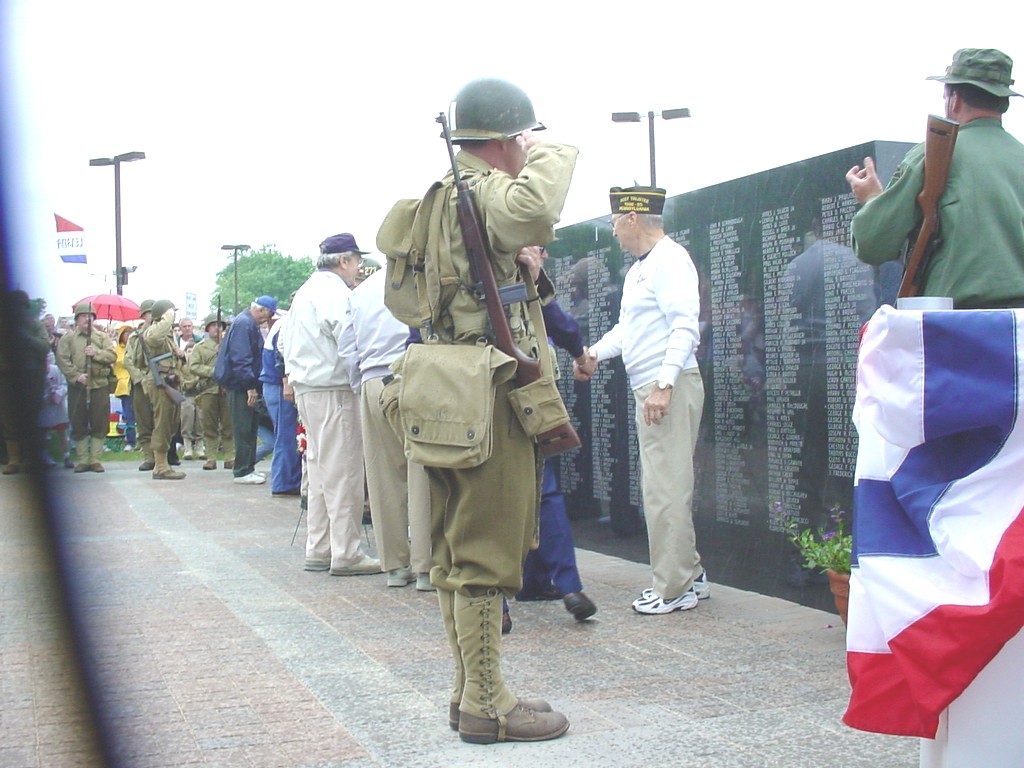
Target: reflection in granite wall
<point>782,302</point>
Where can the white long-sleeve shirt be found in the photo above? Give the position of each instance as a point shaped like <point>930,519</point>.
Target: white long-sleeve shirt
<point>657,333</point>
<point>373,338</point>
<point>311,337</point>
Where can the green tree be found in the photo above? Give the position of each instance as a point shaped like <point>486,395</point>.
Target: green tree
<point>264,271</point>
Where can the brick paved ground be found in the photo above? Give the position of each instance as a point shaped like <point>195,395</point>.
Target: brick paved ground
<point>209,645</point>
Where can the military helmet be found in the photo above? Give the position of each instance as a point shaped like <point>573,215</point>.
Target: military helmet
<point>213,319</point>
<point>85,308</point>
<point>145,306</point>
<point>160,307</point>
<point>490,108</point>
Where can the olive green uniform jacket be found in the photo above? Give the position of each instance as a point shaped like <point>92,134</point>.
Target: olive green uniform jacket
<point>72,361</point>
<point>158,339</point>
<point>200,368</point>
<point>980,261</point>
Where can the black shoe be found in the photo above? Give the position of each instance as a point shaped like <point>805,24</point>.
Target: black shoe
<point>506,623</point>
<point>579,605</point>
<point>285,493</point>
<point>550,592</point>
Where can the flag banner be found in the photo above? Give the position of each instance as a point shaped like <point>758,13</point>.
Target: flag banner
<point>70,241</point>
<point>938,542</point>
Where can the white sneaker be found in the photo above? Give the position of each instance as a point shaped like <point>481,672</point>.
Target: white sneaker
<point>253,478</point>
<point>702,586</point>
<point>651,603</point>
<point>401,577</point>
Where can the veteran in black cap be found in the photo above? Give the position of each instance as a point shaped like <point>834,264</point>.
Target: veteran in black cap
<point>979,261</point>
<point>657,336</point>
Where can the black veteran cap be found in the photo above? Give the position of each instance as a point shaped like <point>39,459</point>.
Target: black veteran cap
<point>637,200</point>
<point>985,68</point>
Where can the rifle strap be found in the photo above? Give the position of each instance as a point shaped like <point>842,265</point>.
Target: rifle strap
<point>539,328</point>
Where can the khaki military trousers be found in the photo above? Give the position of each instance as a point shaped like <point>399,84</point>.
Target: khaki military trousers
<point>666,464</point>
<point>166,418</point>
<point>483,519</point>
<point>215,418</point>
<point>143,419</point>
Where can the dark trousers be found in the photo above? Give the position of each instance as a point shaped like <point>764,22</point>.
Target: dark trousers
<point>554,561</point>
<point>89,413</point>
<point>244,424</point>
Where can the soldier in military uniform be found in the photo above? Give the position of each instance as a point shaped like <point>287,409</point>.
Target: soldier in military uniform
<point>211,399</point>
<point>135,362</point>
<point>483,519</point>
<point>158,339</point>
<point>979,258</point>
<point>86,357</point>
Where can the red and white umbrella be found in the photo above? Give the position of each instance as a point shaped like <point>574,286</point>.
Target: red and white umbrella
<point>111,306</point>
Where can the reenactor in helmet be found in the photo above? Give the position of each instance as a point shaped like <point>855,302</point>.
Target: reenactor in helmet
<point>86,357</point>
<point>138,368</point>
<point>211,399</point>
<point>484,518</point>
<point>158,340</point>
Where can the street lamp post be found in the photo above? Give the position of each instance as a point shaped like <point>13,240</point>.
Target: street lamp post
<point>119,272</point>
<point>636,117</point>
<point>236,249</point>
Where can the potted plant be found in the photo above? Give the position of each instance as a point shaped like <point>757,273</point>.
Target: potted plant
<point>826,549</point>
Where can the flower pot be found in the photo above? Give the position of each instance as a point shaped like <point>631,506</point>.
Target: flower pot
<point>839,583</point>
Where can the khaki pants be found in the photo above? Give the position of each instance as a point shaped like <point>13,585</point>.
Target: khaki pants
<point>143,418</point>
<point>666,464</point>
<point>334,462</point>
<point>386,479</point>
<point>166,417</point>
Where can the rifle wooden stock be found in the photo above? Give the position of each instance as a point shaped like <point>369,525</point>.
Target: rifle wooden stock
<point>940,140</point>
<point>478,250</point>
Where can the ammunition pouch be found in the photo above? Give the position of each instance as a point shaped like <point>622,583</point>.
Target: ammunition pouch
<point>539,406</point>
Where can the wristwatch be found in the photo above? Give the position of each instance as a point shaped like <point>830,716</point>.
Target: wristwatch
<point>664,384</point>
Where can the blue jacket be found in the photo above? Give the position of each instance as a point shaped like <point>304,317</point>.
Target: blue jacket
<point>241,354</point>
<point>562,329</point>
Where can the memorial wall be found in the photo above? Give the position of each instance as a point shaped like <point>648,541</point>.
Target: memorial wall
<point>782,302</point>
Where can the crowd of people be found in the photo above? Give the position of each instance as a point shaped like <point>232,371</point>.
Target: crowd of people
<point>487,524</point>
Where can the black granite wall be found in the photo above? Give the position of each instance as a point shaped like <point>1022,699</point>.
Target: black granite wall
<point>782,302</point>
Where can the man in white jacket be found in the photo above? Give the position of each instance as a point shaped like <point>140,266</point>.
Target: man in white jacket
<point>399,493</point>
<point>328,408</point>
<point>657,336</point>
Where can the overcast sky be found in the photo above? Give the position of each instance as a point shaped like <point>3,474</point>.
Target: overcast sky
<point>282,123</point>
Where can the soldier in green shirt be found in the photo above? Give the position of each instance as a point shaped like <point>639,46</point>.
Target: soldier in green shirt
<point>979,261</point>
<point>484,518</point>
<point>212,401</point>
<point>135,362</point>
<point>86,357</point>
<point>158,340</point>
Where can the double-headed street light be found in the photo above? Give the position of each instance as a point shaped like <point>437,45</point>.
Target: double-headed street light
<point>236,249</point>
<point>636,117</point>
<point>120,274</point>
